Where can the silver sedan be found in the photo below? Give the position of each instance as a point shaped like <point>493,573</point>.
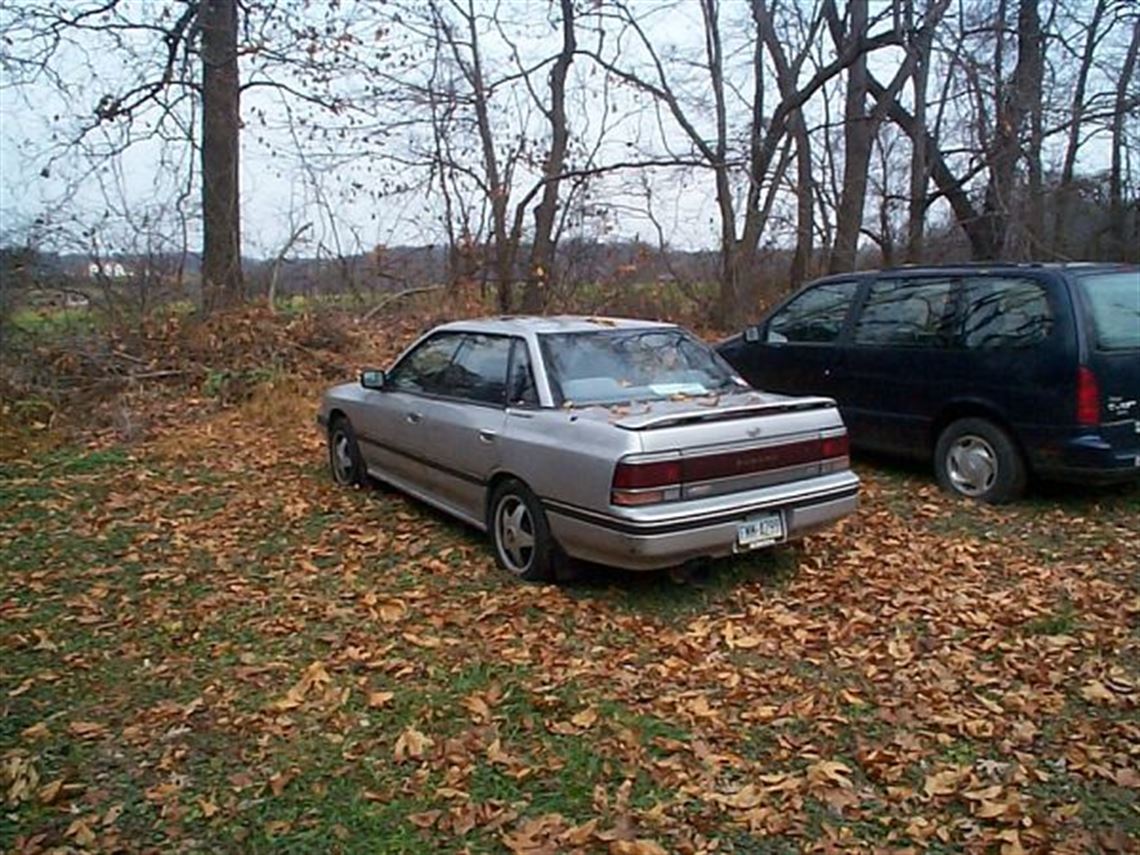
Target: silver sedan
<point>628,443</point>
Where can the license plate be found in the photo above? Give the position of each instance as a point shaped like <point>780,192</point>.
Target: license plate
<point>760,531</point>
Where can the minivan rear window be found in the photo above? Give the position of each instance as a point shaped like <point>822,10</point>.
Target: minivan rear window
<point>1113,300</point>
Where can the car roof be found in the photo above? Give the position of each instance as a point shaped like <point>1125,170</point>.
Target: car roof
<point>523,324</point>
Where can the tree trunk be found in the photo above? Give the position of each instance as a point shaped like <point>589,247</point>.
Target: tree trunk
<point>1029,80</point>
<point>919,167</point>
<point>1002,156</point>
<point>221,125</point>
<point>542,249</point>
<point>805,204</point>
<point>1116,208</point>
<point>858,135</point>
<point>1065,190</point>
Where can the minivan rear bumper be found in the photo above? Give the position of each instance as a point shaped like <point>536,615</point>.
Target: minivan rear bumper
<point>1086,457</point>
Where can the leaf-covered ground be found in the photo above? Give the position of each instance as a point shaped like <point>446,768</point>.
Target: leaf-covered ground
<point>209,647</point>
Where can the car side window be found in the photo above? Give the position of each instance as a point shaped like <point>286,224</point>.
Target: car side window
<point>906,313</point>
<point>1004,313</point>
<point>423,369</point>
<point>479,370</point>
<point>521,391</point>
<point>815,316</point>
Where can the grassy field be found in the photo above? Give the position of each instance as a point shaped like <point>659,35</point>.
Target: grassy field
<point>209,647</point>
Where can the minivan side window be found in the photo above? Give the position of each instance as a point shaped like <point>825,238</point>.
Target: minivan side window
<point>905,313</point>
<point>816,315</point>
<point>1004,313</point>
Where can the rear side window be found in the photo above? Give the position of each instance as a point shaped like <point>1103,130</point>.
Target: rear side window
<point>905,313</point>
<point>1114,302</point>
<point>479,370</point>
<point>816,315</point>
<point>1001,313</point>
<point>521,391</point>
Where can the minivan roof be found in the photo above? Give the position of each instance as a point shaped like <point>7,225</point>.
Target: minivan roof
<point>976,266</point>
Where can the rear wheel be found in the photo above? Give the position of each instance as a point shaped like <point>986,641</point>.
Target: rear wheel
<point>345,462</point>
<point>976,458</point>
<point>520,533</point>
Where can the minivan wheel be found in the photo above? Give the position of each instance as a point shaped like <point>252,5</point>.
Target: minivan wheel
<point>520,533</point>
<point>976,458</point>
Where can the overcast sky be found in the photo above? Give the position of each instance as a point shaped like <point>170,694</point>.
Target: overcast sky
<point>279,193</point>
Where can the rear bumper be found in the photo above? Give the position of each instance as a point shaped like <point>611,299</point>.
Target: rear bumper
<point>702,529</point>
<point>1088,457</point>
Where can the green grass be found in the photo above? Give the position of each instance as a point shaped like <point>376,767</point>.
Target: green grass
<point>177,605</point>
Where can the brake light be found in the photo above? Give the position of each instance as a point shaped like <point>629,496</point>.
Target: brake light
<point>1088,397</point>
<point>834,446</point>
<point>647,483</point>
<point>633,476</point>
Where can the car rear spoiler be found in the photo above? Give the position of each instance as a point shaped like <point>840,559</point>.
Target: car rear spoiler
<point>650,421</point>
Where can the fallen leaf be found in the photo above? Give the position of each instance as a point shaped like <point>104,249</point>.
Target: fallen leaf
<point>380,699</point>
<point>585,718</point>
<point>411,744</point>
<point>640,846</point>
<point>87,729</point>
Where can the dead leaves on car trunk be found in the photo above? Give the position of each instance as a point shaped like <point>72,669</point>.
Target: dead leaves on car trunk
<point>208,644</point>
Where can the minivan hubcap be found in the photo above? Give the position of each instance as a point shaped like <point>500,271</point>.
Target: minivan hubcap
<point>972,465</point>
<point>514,531</point>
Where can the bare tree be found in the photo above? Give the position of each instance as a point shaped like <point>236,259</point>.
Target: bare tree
<point>221,120</point>
<point>542,246</point>
<point>1116,204</point>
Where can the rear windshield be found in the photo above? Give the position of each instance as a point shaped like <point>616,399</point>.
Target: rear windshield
<point>615,366</point>
<point>1114,302</point>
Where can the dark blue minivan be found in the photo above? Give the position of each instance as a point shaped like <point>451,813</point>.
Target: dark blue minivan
<point>995,372</point>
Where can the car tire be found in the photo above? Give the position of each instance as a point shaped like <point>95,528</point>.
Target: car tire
<point>520,534</point>
<point>345,461</point>
<point>977,459</point>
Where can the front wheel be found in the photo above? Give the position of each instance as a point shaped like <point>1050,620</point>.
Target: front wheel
<point>520,534</point>
<point>976,458</point>
<point>345,461</point>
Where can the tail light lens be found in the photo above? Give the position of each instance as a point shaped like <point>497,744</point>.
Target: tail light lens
<point>834,446</point>
<point>1088,397</point>
<point>648,483</point>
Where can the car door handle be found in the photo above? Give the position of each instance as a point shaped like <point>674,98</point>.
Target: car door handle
<point>414,418</point>
<point>487,436</point>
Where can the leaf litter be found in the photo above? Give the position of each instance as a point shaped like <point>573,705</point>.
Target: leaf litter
<point>208,645</point>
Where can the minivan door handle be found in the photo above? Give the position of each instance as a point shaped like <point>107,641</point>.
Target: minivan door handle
<point>487,436</point>
<point>414,418</point>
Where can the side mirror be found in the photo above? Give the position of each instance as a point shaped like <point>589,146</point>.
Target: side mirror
<point>752,334</point>
<point>372,378</point>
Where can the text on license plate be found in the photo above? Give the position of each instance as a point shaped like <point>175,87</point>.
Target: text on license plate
<point>760,531</point>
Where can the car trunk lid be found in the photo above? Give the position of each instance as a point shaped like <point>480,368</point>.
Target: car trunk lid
<point>694,449</point>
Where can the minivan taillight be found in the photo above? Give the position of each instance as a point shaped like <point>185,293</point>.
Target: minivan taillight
<point>1088,397</point>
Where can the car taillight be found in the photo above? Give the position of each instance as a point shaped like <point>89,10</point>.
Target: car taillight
<point>1088,397</point>
<point>834,446</point>
<point>660,481</point>
<point>646,483</point>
